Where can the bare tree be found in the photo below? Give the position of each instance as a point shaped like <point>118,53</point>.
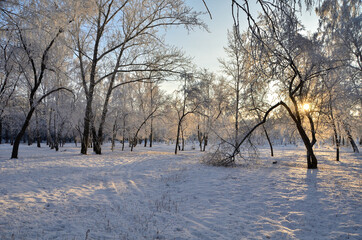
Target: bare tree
<point>235,68</point>
<point>291,58</point>
<point>9,75</point>
<point>120,30</point>
<point>186,103</point>
<point>34,59</point>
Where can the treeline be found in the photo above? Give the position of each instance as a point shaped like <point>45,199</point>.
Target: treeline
<point>92,71</point>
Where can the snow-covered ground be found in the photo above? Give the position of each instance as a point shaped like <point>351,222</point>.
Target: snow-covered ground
<point>153,194</point>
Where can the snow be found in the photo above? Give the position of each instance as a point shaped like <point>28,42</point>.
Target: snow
<point>153,194</point>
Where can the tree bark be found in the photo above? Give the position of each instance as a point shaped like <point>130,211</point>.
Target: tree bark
<point>15,151</point>
<point>123,132</point>
<point>50,141</point>
<point>114,133</point>
<point>178,136</point>
<point>151,123</point>
<point>350,138</point>
<point>269,142</point>
<point>38,138</point>
<point>205,138</point>
<point>199,137</point>
<point>87,123</point>
<point>151,133</point>
<point>30,136</point>
<point>337,140</point>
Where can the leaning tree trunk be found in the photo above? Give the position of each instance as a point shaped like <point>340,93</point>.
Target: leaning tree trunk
<point>134,141</point>
<point>182,139</point>
<point>353,144</point>
<point>18,138</point>
<point>311,158</point>
<point>350,138</point>
<point>337,140</point>
<point>269,142</point>
<point>312,162</point>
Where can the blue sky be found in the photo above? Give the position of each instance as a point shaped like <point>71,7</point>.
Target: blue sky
<point>206,47</point>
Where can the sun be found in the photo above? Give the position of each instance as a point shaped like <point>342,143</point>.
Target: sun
<point>306,107</point>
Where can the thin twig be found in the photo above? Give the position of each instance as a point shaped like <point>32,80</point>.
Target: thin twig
<point>207,8</point>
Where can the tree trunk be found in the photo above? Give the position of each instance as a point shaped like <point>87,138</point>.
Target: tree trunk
<point>151,132</point>
<point>114,133</point>
<point>269,142</point>
<point>49,136</point>
<point>311,158</point>
<point>353,144</point>
<point>312,162</point>
<point>123,132</point>
<point>337,154</point>
<point>15,151</point>
<point>97,141</point>
<point>206,138</point>
<point>56,136</point>
<point>38,138</point>
<point>87,122</point>
<point>182,143</point>
<point>178,136</point>
<point>151,123</point>
<point>337,141</point>
<point>30,136</point>
<point>199,137</point>
<point>350,138</point>
<point>139,128</point>
<point>182,139</point>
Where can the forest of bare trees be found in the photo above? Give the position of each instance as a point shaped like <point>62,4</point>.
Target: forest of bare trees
<point>90,72</point>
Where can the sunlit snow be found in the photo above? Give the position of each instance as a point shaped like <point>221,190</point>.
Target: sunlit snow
<point>153,194</point>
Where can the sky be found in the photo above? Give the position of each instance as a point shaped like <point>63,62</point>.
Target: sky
<point>207,47</point>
